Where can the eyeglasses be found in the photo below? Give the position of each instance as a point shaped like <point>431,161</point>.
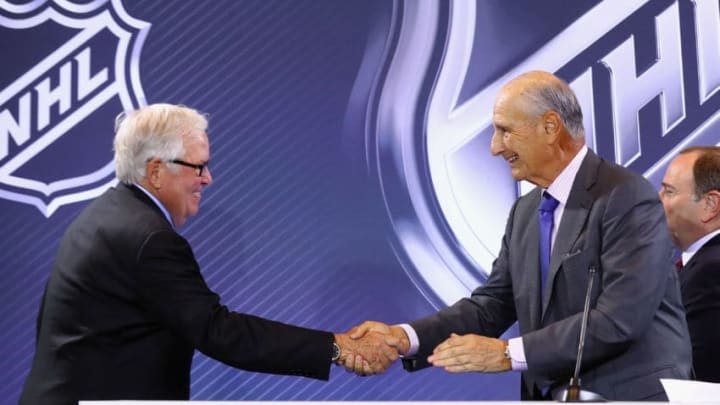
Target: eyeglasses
<point>200,169</point>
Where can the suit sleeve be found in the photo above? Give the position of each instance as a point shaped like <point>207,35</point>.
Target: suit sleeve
<point>489,311</point>
<point>176,295</point>
<point>627,238</point>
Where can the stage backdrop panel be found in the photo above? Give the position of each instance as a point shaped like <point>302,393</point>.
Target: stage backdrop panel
<point>350,148</point>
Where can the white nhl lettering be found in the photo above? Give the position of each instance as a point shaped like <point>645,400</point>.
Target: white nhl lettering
<point>46,97</point>
<point>630,92</point>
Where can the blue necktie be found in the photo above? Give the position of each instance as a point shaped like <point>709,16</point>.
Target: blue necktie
<point>547,208</point>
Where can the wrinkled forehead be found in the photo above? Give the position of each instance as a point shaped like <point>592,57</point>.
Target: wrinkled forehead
<point>511,105</point>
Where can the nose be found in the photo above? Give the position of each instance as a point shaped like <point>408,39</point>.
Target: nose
<point>207,178</point>
<point>496,143</point>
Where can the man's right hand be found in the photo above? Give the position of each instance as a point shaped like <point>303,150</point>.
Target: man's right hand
<point>394,336</point>
<point>369,354</point>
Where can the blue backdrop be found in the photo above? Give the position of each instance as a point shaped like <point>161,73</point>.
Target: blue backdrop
<point>349,148</point>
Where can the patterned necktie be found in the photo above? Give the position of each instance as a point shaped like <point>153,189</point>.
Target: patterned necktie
<point>547,208</point>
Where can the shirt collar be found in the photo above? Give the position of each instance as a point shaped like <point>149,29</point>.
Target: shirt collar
<point>157,202</point>
<point>561,186</point>
<point>690,252</point>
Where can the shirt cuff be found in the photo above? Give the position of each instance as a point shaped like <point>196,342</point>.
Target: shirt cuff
<point>412,337</point>
<point>517,354</point>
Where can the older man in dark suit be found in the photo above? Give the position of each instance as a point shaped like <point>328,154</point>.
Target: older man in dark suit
<point>691,196</point>
<point>586,213</point>
<point>125,305</point>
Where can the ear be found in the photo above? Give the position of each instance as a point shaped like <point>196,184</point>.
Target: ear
<point>153,174</point>
<point>711,206</point>
<point>552,125</point>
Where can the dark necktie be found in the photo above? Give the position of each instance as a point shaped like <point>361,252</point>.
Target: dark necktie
<point>679,264</point>
<point>547,207</point>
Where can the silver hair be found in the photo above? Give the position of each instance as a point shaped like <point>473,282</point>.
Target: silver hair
<point>155,131</point>
<point>557,96</point>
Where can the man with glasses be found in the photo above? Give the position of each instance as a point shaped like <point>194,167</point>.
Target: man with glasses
<point>126,306</point>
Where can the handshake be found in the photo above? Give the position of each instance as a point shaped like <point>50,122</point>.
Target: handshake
<point>371,347</point>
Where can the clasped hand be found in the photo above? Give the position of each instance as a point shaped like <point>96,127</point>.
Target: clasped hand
<point>456,354</point>
<point>371,347</point>
<point>375,352</point>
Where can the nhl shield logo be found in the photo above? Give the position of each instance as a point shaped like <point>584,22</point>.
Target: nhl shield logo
<point>449,198</point>
<point>76,67</point>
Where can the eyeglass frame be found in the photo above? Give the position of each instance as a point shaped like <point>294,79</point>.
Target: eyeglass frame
<point>200,168</point>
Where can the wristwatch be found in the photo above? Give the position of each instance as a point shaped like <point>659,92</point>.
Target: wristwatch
<point>507,352</point>
<point>335,352</point>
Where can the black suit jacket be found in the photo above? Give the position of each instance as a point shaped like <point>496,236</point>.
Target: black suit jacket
<point>700,285</point>
<point>125,307</point>
<point>637,331</point>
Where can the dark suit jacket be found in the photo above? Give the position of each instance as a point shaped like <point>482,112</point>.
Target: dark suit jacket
<point>700,285</point>
<point>637,332</point>
<point>126,306</point>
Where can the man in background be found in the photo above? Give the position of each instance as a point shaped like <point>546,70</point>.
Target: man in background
<point>691,196</point>
<point>587,218</point>
<point>126,306</point>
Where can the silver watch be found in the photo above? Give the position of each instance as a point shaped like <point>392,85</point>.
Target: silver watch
<point>507,352</point>
<point>335,352</point>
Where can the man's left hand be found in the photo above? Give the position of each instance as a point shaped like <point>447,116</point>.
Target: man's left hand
<point>460,354</point>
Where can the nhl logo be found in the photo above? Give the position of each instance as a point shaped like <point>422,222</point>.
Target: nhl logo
<point>74,68</point>
<point>448,198</point>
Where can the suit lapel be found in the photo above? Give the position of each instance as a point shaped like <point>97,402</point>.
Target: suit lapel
<point>689,267</point>
<point>573,220</point>
<point>708,245</point>
<point>532,262</point>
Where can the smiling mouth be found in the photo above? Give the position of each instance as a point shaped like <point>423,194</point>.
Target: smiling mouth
<point>513,158</point>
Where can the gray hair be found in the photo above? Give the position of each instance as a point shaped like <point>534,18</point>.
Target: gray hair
<point>556,95</point>
<point>155,131</point>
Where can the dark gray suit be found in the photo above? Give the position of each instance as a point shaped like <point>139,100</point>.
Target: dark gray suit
<point>637,332</point>
<point>126,306</point>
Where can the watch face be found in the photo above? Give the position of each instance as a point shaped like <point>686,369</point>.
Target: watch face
<point>335,352</point>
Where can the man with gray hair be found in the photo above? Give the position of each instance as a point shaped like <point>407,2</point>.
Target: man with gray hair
<point>586,219</point>
<point>690,194</point>
<point>126,306</point>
